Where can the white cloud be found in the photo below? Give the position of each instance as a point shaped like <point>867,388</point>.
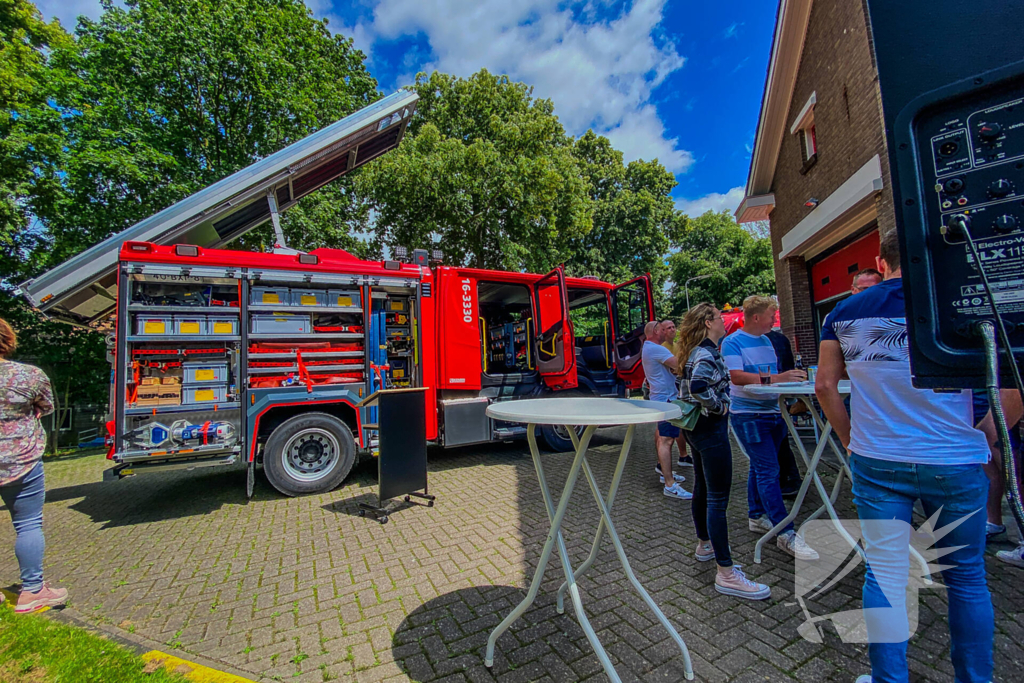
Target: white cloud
<point>69,10</point>
<point>714,201</point>
<point>600,73</point>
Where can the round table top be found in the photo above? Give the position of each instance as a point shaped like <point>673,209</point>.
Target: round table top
<point>792,388</point>
<point>583,411</point>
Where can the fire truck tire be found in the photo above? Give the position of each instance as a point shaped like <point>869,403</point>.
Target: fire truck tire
<point>557,437</point>
<point>309,453</point>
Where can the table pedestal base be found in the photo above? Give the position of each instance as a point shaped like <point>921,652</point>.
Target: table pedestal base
<point>554,538</point>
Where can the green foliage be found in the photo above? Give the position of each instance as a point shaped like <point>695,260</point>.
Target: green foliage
<point>74,358</point>
<point>633,214</point>
<point>739,264</point>
<point>31,133</point>
<point>161,98</point>
<point>488,170</point>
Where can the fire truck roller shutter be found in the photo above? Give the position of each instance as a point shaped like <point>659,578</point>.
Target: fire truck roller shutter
<point>309,453</point>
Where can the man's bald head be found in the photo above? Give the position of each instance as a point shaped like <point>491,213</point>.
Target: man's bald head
<point>650,329</point>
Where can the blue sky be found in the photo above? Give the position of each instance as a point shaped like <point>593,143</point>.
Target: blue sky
<point>678,80</point>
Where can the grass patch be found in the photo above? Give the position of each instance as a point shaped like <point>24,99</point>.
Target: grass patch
<point>34,649</point>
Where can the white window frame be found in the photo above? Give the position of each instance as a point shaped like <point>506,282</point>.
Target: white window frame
<point>804,124</point>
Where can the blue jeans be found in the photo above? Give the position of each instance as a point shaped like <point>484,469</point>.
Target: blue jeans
<point>24,498</point>
<point>760,435</point>
<point>885,490</point>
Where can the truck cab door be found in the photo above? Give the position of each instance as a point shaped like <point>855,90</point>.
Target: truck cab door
<point>632,308</point>
<point>556,343</point>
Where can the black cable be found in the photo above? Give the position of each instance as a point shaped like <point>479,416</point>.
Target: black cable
<point>1004,338</point>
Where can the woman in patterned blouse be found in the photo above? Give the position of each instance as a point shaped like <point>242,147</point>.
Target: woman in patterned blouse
<point>705,383</point>
<point>26,398</point>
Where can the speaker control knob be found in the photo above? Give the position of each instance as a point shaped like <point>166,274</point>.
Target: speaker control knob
<point>1000,188</point>
<point>1004,223</point>
<point>988,132</point>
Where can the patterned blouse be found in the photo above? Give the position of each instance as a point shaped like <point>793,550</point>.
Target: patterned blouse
<point>26,397</point>
<point>705,380</point>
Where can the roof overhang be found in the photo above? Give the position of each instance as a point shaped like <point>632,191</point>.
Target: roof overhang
<point>787,47</point>
<point>845,211</point>
<point>83,289</point>
<point>755,208</point>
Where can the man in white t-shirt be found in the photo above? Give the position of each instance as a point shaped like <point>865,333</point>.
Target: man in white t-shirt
<point>907,444</point>
<point>659,367</point>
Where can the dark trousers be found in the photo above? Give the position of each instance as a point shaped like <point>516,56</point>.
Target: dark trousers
<point>712,473</point>
<point>789,475</point>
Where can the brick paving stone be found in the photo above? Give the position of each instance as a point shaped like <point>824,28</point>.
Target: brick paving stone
<point>254,583</point>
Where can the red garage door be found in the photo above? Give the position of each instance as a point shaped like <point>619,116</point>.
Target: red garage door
<point>832,275</point>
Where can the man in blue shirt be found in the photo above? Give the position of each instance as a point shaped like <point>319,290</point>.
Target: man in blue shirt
<point>907,444</point>
<point>659,367</point>
<point>757,423</point>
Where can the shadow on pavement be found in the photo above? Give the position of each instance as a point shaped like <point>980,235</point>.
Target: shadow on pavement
<point>448,635</point>
<point>157,497</point>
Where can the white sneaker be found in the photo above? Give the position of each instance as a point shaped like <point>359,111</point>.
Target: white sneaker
<point>793,544</point>
<point>739,586</point>
<point>685,461</point>
<point>705,551</point>
<point>864,678</point>
<point>677,491</point>
<point>676,477</point>
<point>1013,557</point>
<point>760,524</point>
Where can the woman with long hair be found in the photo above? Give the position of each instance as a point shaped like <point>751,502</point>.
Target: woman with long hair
<point>26,397</point>
<point>705,383</point>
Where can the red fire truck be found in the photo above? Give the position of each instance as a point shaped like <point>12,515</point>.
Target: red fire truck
<point>223,356</point>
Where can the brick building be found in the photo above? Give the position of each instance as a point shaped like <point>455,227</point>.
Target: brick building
<point>819,171</point>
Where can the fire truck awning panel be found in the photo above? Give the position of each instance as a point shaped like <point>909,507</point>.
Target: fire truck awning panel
<point>83,289</point>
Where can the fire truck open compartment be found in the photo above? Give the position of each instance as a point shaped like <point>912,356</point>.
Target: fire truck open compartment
<point>506,328</point>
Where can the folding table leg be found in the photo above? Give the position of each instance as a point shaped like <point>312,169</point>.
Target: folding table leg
<point>620,551</point>
<point>596,547</point>
<point>555,537</point>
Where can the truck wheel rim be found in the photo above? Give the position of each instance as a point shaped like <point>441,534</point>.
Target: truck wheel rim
<point>562,432</point>
<point>311,454</point>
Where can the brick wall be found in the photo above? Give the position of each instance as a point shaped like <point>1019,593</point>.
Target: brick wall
<point>837,65</point>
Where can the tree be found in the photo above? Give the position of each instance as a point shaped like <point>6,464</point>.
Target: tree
<point>632,211</point>
<point>72,357</point>
<point>485,168</point>
<point>31,132</point>
<point>738,263</point>
<point>165,97</point>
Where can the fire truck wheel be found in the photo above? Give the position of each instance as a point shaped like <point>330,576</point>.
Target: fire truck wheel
<point>309,453</point>
<point>557,437</point>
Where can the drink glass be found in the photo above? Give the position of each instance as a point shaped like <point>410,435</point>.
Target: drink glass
<point>812,372</point>
<point>765,373</point>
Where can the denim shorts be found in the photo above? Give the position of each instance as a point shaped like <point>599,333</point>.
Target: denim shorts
<point>668,430</point>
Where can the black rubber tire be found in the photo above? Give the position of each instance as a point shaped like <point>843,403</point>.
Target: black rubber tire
<point>555,441</point>
<point>278,473</point>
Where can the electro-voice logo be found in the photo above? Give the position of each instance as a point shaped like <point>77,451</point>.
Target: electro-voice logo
<point>899,562</point>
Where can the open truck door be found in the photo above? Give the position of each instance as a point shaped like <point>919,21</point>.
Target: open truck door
<point>632,309</point>
<point>556,343</point>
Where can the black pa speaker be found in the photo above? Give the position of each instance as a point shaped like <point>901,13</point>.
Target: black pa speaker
<point>951,75</point>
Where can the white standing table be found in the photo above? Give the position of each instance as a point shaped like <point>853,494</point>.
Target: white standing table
<point>804,392</point>
<point>591,413</point>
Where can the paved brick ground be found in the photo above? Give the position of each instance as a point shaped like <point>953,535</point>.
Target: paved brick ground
<point>303,589</point>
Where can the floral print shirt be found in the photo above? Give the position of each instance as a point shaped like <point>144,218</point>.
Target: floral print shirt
<point>25,396</point>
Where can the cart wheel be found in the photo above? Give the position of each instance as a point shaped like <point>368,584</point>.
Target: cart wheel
<point>407,499</point>
<point>384,519</point>
<point>362,513</point>
<point>430,503</point>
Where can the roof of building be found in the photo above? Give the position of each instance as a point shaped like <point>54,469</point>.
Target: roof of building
<point>787,47</point>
